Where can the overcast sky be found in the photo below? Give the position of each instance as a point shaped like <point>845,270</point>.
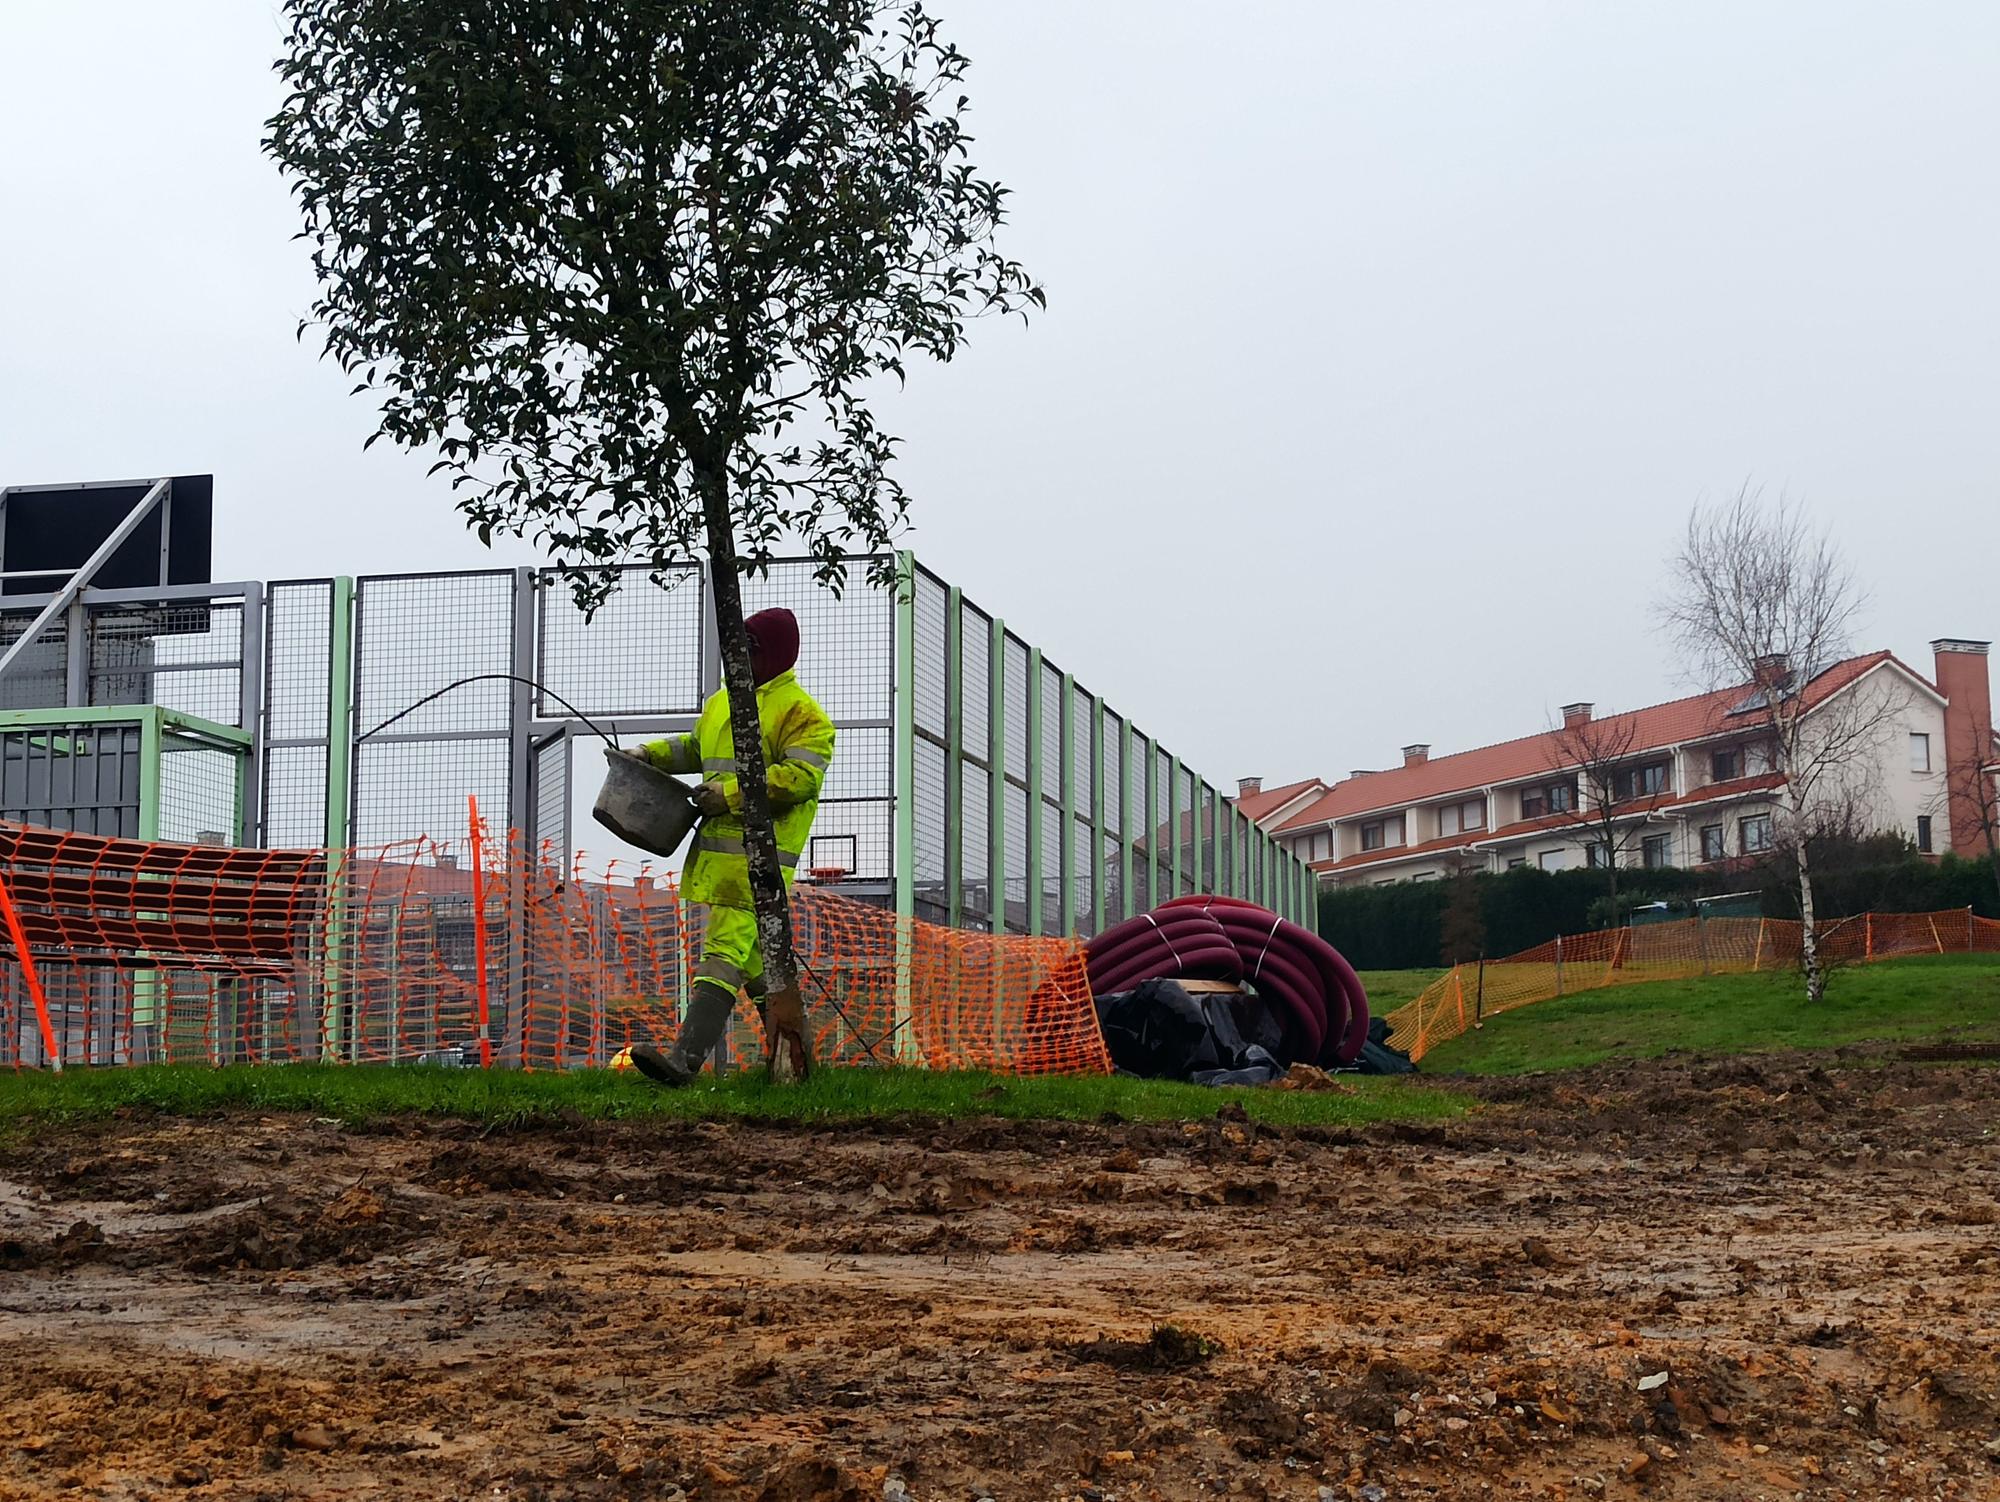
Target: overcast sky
<point>1387,345</point>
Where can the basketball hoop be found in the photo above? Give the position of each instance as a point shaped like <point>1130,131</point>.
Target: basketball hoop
<point>826,875</point>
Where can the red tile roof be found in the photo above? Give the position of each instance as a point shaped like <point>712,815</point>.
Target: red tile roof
<point>1652,728</point>
<point>1269,800</point>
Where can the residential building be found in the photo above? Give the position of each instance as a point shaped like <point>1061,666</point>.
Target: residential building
<point>1693,783</point>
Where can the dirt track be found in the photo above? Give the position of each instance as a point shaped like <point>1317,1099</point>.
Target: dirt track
<point>284,1308</point>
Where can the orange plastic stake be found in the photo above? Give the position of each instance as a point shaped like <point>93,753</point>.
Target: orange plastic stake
<point>479,938</point>
<point>28,973</point>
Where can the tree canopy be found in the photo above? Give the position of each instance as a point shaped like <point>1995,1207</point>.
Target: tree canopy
<point>596,254</point>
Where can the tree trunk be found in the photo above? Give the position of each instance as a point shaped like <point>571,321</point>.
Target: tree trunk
<point>1808,923</point>
<point>789,1055</point>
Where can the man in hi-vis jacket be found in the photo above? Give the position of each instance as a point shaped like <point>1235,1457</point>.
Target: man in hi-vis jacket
<point>798,749</point>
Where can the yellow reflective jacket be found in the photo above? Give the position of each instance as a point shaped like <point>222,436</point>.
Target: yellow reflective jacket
<point>798,748</point>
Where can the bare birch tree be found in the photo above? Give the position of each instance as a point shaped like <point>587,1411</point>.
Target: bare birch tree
<point>1596,752</point>
<point>1760,597</point>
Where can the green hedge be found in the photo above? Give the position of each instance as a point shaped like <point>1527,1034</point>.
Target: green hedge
<point>1401,927</point>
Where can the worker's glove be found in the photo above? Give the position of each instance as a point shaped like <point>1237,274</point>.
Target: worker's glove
<point>710,801</point>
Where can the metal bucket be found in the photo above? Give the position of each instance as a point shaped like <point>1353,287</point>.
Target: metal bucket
<point>642,805</point>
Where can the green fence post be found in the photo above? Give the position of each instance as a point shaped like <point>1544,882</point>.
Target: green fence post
<point>1204,836</point>
<point>1037,856</point>
<point>1153,822</point>
<point>1126,909</point>
<point>1098,913</point>
<point>996,780</point>
<point>1174,784</point>
<point>148,988</point>
<point>339,808</point>
<point>954,757</point>
<point>1066,757</point>
<point>905,754</point>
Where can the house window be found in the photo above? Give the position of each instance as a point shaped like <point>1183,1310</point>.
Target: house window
<point>1456,818</point>
<point>1638,782</point>
<point>1597,857</point>
<point>1756,834</point>
<point>1556,798</point>
<point>1553,860</point>
<point>1756,760</point>
<point>1726,765</point>
<point>1920,753</point>
<point>1711,842</point>
<point>1517,863</point>
<point>1924,834</point>
<point>1654,849</point>
<point>1382,833</point>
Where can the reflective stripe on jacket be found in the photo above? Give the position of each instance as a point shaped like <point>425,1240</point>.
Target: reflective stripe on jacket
<point>798,749</point>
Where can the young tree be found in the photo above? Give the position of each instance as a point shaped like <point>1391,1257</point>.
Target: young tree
<point>1596,752</point>
<point>634,269</point>
<point>1760,598</point>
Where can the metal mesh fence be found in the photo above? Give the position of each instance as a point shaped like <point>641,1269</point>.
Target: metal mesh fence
<point>185,655</point>
<point>1082,711</point>
<point>552,768</point>
<point>415,637</point>
<point>199,803</point>
<point>932,897</point>
<point>1016,831</point>
<point>975,820</point>
<point>975,857</point>
<point>401,786</point>
<point>1015,660</point>
<point>640,653</point>
<point>39,677</point>
<point>845,643</point>
<point>928,670</point>
<point>647,653</point>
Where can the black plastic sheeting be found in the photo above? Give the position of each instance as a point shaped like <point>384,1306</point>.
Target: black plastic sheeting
<point>1161,1031</point>
<point>1301,982</point>
<point>1378,1056</point>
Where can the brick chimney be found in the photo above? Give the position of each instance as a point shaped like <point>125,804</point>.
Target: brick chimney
<point>1248,787</point>
<point>1968,734</point>
<point>1774,671</point>
<point>1577,714</point>
<point>1417,755</point>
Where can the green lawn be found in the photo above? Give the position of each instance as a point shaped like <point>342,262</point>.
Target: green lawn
<point>354,1093</point>
<point>1941,998</point>
<point>1389,989</point>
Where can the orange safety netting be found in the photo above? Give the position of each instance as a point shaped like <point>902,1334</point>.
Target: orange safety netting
<point>471,951</point>
<point>1466,994</point>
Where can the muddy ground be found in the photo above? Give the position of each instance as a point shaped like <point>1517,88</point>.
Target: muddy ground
<point>1756,1279</point>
